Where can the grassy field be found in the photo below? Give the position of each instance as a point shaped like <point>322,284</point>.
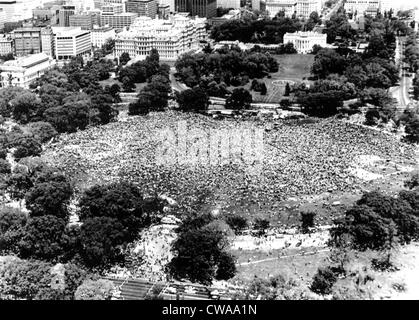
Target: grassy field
<point>293,67</point>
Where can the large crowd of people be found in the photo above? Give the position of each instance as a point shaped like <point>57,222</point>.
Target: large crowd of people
<point>301,157</point>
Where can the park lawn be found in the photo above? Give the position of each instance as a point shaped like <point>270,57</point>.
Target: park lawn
<point>293,67</point>
<point>301,267</point>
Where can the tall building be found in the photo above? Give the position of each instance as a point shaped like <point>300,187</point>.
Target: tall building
<point>71,42</point>
<point>229,4</point>
<point>48,41</point>
<point>304,41</point>
<point>122,2</point>
<point>22,71</point>
<point>9,8</point>
<point>118,21</point>
<point>100,35</point>
<point>27,40</point>
<point>172,37</point>
<point>163,10</point>
<point>287,6</point>
<point>6,45</point>
<point>85,21</point>
<point>305,7</point>
<point>64,15</point>
<point>361,7</point>
<point>201,8</point>
<point>147,8</point>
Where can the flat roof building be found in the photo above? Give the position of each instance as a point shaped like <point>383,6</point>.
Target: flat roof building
<point>71,42</point>
<point>22,71</point>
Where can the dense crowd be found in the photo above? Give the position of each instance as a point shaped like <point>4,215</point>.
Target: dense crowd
<point>300,158</point>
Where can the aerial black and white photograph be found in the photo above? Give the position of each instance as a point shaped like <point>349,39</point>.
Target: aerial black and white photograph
<point>213,150</point>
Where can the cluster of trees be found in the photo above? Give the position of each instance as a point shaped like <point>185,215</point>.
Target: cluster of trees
<point>377,221</point>
<point>138,72</point>
<point>69,98</point>
<point>111,217</point>
<point>39,280</point>
<point>257,30</point>
<point>231,66</point>
<point>200,251</point>
<point>338,26</point>
<point>155,95</point>
<point>343,74</point>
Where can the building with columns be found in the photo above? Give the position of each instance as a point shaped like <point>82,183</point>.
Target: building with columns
<point>304,41</point>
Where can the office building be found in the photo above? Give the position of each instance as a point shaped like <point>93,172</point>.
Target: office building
<point>163,11</point>
<point>304,41</point>
<point>361,7</point>
<point>64,15</point>
<point>201,8</point>
<point>305,7</point>
<point>172,37</point>
<point>6,45</point>
<point>84,21</point>
<point>147,8</point>
<point>275,6</point>
<point>48,41</point>
<point>118,21</point>
<point>100,35</point>
<point>22,71</point>
<point>229,4</point>
<point>71,42</point>
<point>27,40</point>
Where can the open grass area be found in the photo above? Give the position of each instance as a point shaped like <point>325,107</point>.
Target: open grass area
<point>293,67</point>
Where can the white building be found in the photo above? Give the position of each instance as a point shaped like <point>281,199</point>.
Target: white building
<point>71,42</point>
<point>305,7</point>
<point>23,71</point>
<point>359,7</point>
<point>6,45</point>
<point>170,3</point>
<point>227,4</point>
<point>172,37</point>
<point>275,6</point>
<point>304,41</point>
<point>99,35</point>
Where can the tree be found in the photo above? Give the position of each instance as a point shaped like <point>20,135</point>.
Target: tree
<point>287,90</point>
<point>412,130</point>
<point>192,100</point>
<point>328,61</point>
<point>236,222</point>
<point>261,225</point>
<point>42,131</point>
<point>263,89</point>
<point>122,201</point>
<point>413,182</point>
<point>43,238</point>
<point>26,146</point>
<point>198,254</point>
<point>312,21</point>
<point>307,221</point>
<point>70,117</point>
<point>26,108</point>
<point>127,84</point>
<point>18,184</point>
<point>323,281</point>
<point>101,238</point>
<point>95,290</point>
<point>7,95</point>
<point>49,198</point>
<point>12,222</point>
<point>239,99</point>
<point>24,279</point>
<point>124,58</point>
<point>5,167</point>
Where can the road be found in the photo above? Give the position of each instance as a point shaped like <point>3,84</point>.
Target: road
<point>333,11</point>
<point>176,85</point>
<point>401,92</point>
